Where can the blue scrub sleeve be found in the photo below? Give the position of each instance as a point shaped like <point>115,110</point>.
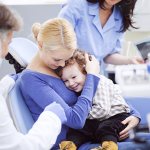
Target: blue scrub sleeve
<point>43,95</point>
<point>134,112</point>
<point>71,11</point>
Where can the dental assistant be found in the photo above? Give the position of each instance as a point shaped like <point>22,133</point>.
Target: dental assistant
<point>44,132</point>
<point>100,26</point>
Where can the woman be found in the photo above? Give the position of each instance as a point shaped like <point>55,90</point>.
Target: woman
<point>44,132</point>
<point>57,42</point>
<point>100,25</point>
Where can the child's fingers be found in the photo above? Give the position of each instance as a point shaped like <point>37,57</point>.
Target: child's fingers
<point>86,57</point>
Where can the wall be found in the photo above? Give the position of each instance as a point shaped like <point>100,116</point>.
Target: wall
<point>41,12</point>
<point>30,14</point>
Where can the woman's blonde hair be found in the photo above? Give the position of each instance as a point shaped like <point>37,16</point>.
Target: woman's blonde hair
<point>55,34</point>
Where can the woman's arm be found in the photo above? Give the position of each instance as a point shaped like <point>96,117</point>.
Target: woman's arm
<point>118,59</point>
<point>134,112</point>
<point>43,95</point>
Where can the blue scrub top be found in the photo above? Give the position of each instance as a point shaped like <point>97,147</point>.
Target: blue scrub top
<point>91,37</point>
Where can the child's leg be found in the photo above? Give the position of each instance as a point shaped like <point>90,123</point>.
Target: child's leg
<point>108,132</point>
<point>75,138</point>
<point>108,140</point>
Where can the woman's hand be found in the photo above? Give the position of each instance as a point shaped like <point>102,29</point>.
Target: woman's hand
<point>131,122</point>
<point>92,65</point>
<point>136,60</point>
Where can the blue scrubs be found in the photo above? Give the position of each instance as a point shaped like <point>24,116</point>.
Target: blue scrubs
<point>91,37</point>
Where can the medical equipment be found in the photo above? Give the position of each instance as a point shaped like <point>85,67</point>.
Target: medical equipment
<point>134,80</point>
<point>21,51</point>
<point>19,111</point>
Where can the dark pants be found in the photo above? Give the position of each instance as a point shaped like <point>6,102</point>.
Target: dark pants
<point>98,131</point>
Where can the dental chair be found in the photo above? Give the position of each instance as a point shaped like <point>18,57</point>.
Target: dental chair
<point>19,111</point>
<point>142,104</point>
<point>21,51</point>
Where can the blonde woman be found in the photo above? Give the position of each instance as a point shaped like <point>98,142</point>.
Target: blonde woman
<point>44,132</point>
<point>41,85</point>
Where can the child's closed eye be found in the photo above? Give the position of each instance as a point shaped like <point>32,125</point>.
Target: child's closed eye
<point>65,81</point>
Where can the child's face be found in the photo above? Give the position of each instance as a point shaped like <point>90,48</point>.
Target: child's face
<point>73,78</point>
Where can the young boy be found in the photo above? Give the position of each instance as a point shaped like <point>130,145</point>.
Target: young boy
<point>109,108</point>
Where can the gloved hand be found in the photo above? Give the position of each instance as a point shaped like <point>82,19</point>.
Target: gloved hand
<point>58,110</point>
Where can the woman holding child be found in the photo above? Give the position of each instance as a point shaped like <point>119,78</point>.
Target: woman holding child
<point>41,85</point>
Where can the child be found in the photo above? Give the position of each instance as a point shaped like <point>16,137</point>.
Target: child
<point>109,108</point>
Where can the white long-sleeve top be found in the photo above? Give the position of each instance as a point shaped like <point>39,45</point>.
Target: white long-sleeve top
<point>42,135</point>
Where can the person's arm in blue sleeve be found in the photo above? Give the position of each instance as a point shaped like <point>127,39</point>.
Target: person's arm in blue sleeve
<point>118,59</point>
<point>134,112</point>
<point>44,95</point>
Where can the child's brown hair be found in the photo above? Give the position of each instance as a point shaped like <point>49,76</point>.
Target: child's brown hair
<point>79,58</point>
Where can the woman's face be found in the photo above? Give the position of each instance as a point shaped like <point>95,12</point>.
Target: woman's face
<point>111,2</point>
<point>56,58</point>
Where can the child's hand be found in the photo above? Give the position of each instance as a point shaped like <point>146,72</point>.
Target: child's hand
<point>92,65</point>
